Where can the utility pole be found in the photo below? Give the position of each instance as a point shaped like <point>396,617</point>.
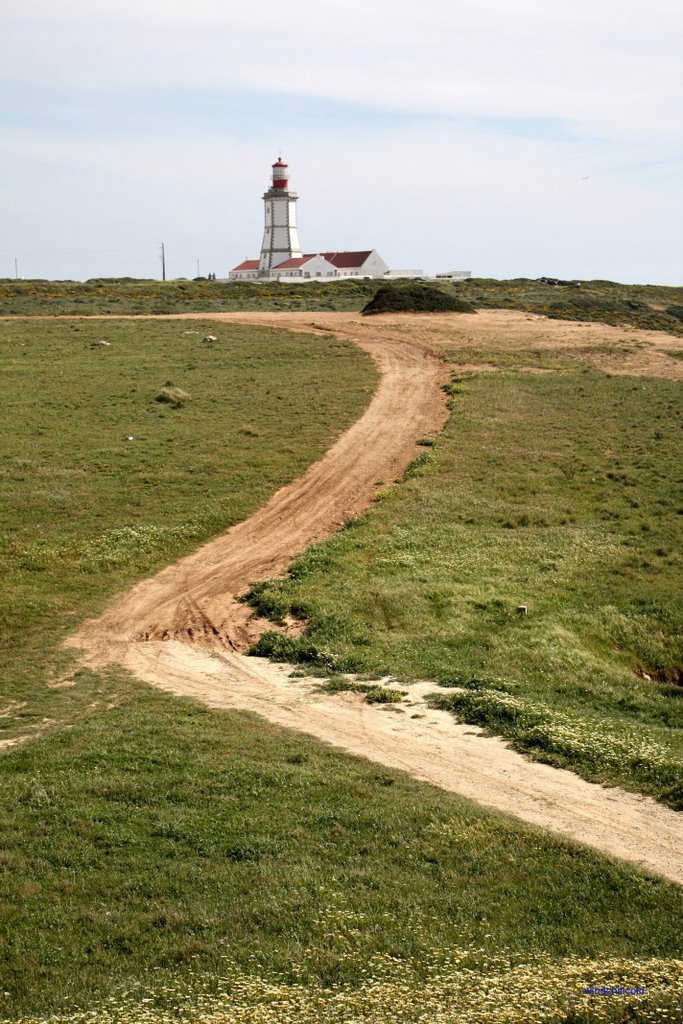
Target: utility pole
<point>163,263</point>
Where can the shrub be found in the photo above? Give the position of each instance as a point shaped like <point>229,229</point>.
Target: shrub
<point>418,465</point>
<point>296,651</point>
<point>384,695</point>
<point>267,600</point>
<point>374,694</point>
<point>415,298</point>
<point>173,396</point>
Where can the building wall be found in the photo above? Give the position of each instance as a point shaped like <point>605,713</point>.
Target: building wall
<point>242,275</point>
<point>374,266</point>
<point>317,267</point>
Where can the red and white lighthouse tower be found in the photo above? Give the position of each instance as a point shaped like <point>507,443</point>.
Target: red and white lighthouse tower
<point>280,233</point>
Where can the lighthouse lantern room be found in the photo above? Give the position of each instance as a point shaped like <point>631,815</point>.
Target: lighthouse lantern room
<point>280,232</point>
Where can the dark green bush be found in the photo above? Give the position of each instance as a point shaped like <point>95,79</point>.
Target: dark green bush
<point>415,298</point>
<point>297,651</point>
<point>266,600</point>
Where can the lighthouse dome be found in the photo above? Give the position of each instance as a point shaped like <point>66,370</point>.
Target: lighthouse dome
<point>280,174</point>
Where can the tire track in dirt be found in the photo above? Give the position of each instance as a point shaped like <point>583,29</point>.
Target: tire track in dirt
<point>194,599</point>
<point>183,629</point>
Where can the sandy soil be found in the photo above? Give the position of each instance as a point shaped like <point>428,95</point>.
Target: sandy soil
<point>625,351</point>
<point>193,600</point>
<point>183,630</point>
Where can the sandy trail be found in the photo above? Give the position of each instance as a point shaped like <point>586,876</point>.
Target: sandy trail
<point>193,600</point>
<point>183,629</point>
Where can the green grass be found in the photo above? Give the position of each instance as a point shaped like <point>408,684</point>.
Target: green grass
<point>650,307</point>
<point>149,843</point>
<point>561,492</point>
<point>155,850</point>
<point>85,511</point>
<point>139,296</point>
<point>645,306</point>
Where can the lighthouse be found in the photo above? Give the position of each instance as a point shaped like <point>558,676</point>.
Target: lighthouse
<point>282,258</point>
<point>280,232</point>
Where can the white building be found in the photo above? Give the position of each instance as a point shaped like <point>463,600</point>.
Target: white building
<point>282,258</point>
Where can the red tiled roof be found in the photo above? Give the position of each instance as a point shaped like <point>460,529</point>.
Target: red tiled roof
<point>344,260</point>
<point>294,261</point>
<point>347,259</point>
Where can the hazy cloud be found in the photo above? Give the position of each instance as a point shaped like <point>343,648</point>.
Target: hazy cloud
<point>527,136</point>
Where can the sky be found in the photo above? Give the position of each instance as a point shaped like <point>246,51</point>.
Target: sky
<point>512,138</point>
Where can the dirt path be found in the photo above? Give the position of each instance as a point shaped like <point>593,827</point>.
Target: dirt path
<point>193,600</point>
<point>183,630</point>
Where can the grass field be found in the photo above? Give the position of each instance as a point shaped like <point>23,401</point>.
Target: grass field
<point>646,306</point>
<point>651,307</point>
<point>161,861</point>
<point>165,844</point>
<point>559,491</point>
<point>132,296</point>
<point>86,511</point>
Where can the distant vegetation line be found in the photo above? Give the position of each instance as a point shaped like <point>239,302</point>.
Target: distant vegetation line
<point>651,307</point>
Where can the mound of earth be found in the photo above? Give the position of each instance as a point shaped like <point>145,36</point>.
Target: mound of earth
<point>415,298</point>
